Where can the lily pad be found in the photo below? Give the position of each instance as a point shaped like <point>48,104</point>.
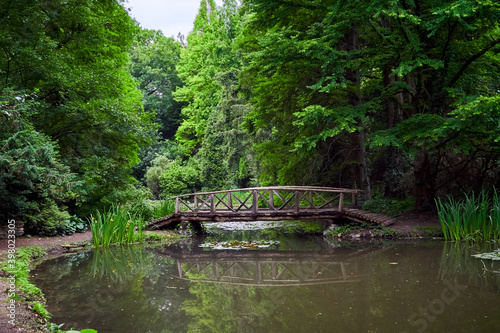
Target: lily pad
<point>495,255</point>
<point>237,245</point>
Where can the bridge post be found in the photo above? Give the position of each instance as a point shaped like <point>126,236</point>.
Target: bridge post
<point>177,205</point>
<point>341,202</point>
<point>212,204</point>
<point>255,202</point>
<point>229,200</point>
<point>271,199</point>
<point>297,201</point>
<point>184,225</point>
<point>354,199</point>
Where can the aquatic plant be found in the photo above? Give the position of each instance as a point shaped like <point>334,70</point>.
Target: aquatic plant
<point>495,255</point>
<point>476,218</point>
<point>116,226</point>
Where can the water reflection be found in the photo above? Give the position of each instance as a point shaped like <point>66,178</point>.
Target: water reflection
<point>400,287</point>
<point>268,268</point>
<point>457,261</point>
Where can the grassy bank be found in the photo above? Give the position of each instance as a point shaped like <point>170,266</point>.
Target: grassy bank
<point>23,296</point>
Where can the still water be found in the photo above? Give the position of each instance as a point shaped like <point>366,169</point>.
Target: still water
<point>293,284</point>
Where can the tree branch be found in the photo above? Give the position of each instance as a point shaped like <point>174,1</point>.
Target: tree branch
<point>471,60</point>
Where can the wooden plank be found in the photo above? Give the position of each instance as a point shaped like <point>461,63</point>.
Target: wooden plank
<point>242,203</point>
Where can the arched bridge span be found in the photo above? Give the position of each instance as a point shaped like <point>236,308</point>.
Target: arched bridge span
<point>269,204</point>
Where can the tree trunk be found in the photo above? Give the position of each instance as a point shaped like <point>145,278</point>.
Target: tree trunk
<point>425,191</point>
<point>358,141</point>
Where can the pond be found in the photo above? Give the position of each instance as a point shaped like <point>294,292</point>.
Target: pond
<point>292,284</point>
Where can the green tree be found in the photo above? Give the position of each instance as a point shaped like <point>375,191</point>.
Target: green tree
<point>216,105</point>
<point>209,51</point>
<point>74,54</point>
<point>33,181</point>
<point>418,78</point>
<point>153,61</point>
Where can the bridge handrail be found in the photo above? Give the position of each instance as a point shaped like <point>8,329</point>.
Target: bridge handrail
<point>256,195</point>
<point>291,188</point>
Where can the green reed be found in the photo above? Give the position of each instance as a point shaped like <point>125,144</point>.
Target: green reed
<point>474,217</point>
<point>163,208</point>
<point>116,226</point>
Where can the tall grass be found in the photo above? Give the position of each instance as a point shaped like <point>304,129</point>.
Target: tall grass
<point>163,208</point>
<point>116,226</point>
<point>476,218</point>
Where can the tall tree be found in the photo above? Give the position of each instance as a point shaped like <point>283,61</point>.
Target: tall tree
<point>210,130</point>
<point>208,52</point>
<point>74,56</point>
<point>407,73</point>
<point>153,63</point>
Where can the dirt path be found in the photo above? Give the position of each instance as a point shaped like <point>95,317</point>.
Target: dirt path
<point>46,242</point>
<point>416,222</point>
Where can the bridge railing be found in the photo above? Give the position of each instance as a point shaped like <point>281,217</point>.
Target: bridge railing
<point>267,199</point>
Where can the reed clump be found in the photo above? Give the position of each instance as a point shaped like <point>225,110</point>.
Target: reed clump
<point>116,226</point>
<point>163,208</point>
<point>474,217</point>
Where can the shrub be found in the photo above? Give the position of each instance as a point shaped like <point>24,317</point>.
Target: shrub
<point>390,207</point>
<point>180,179</point>
<point>46,219</point>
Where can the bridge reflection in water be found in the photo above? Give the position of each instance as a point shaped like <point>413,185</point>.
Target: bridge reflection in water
<point>270,268</point>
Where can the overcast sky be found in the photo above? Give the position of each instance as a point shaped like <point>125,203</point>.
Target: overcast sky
<point>169,16</point>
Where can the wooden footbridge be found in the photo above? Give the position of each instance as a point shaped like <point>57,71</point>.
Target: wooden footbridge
<point>269,204</point>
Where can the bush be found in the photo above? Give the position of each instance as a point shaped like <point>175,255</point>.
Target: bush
<point>160,166</point>
<point>46,219</point>
<point>180,179</point>
<point>389,207</point>
<point>133,198</point>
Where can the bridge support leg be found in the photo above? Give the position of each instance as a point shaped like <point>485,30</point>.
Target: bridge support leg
<point>184,225</point>
<point>198,228</point>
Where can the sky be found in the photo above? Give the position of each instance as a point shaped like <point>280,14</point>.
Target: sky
<point>169,16</point>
